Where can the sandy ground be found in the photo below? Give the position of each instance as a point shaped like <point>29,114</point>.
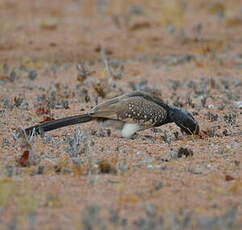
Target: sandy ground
<point>86,176</point>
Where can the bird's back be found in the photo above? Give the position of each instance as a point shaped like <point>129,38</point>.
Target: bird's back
<point>137,107</point>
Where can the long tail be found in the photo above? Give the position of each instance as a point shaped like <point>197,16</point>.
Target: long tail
<point>56,124</point>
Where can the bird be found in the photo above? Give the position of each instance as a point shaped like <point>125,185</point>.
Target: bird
<point>129,113</point>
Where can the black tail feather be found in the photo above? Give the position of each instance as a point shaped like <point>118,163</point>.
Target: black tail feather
<point>56,124</point>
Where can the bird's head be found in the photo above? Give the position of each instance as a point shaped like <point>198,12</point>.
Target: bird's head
<point>184,120</point>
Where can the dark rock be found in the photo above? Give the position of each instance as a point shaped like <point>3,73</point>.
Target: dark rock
<point>184,152</point>
<point>107,167</point>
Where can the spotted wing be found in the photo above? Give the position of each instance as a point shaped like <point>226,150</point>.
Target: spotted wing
<point>131,108</point>
<point>142,111</point>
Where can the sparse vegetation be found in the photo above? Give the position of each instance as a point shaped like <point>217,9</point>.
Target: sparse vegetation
<point>60,58</point>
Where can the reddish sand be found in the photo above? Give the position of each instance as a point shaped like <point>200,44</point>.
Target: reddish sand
<point>189,53</point>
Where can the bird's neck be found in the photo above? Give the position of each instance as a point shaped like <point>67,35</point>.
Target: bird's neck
<point>171,114</point>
